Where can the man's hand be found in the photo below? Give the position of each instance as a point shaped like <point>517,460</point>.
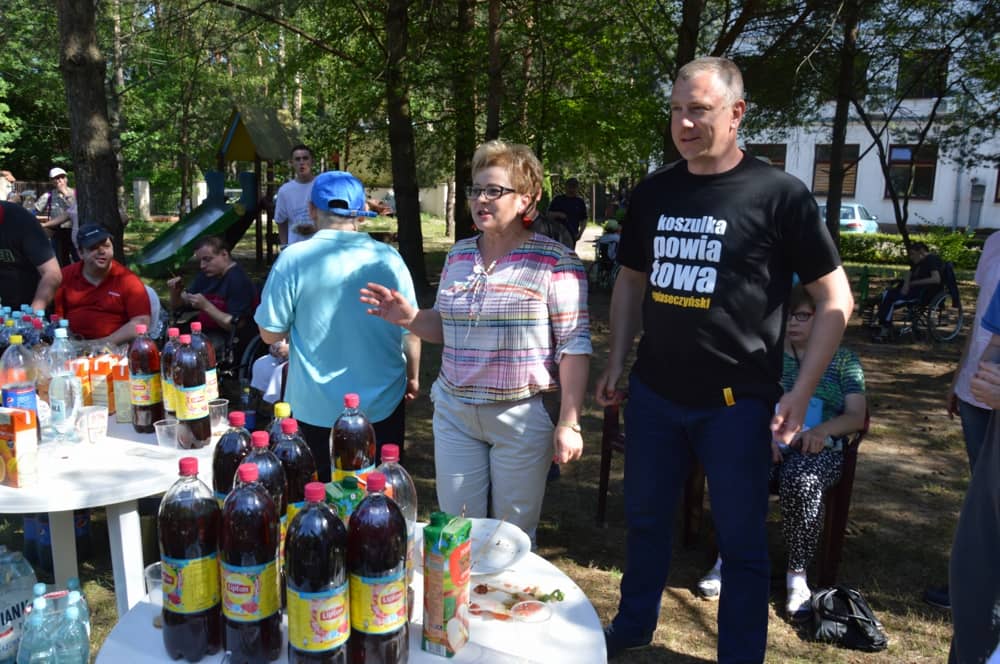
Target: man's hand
<point>174,284</point>
<point>985,385</point>
<point>607,393</point>
<point>412,389</point>
<point>568,445</point>
<point>195,300</point>
<point>279,349</point>
<point>952,404</point>
<point>790,415</point>
<point>810,442</point>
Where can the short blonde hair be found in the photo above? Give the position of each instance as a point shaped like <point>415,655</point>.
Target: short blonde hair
<point>727,71</point>
<point>521,164</point>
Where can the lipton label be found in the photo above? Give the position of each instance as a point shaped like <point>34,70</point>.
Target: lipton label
<point>250,593</point>
<point>378,604</point>
<point>318,621</point>
<point>190,585</point>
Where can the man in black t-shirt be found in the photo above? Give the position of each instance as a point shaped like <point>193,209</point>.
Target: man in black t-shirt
<point>29,271</point>
<point>922,277</point>
<point>707,251</point>
<point>570,210</point>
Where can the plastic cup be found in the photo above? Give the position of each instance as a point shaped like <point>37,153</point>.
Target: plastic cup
<point>166,432</point>
<point>94,424</point>
<point>154,588</point>
<point>218,414</point>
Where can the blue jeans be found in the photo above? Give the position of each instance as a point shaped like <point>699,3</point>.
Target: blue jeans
<point>732,443</point>
<point>974,423</point>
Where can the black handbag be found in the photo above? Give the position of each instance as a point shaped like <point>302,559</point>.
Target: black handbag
<point>841,616</point>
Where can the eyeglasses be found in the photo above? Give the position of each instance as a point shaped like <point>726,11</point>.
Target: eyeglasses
<point>801,316</point>
<point>491,191</point>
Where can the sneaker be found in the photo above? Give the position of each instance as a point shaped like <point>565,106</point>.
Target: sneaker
<point>617,645</point>
<point>710,585</point>
<point>938,597</point>
<point>798,608</point>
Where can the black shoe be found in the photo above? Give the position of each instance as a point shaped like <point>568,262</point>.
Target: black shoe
<point>617,645</point>
<point>938,597</point>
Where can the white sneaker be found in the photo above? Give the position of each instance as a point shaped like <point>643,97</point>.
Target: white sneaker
<point>710,585</point>
<point>798,607</point>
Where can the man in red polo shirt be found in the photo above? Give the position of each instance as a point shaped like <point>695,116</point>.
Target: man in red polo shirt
<point>102,298</point>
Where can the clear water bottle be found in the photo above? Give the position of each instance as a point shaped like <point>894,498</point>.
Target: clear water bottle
<point>17,376</point>
<point>65,390</point>
<point>37,645</point>
<point>76,599</point>
<point>71,639</point>
<point>399,486</point>
<point>17,581</point>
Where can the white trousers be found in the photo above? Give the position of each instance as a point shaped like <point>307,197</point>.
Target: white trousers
<point>492,459</point>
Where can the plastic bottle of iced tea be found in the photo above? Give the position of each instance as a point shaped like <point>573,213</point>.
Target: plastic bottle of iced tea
<point>316,573</point>
<point>194,426</point>
<point>376,564</point>
<point>166,370</point>
<point>232,448</point>
<point>353,442</point>
<point>248,543</point>
<point>144,381</point>
<point>204,346</point>
<point>189,521</point>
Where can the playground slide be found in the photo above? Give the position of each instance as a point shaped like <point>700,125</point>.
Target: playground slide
<point>173,247</point>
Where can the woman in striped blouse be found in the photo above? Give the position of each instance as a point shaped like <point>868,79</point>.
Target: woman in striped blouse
<point>511,312</point>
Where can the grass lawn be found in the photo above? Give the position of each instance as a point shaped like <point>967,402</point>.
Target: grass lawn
<point>911,477</point>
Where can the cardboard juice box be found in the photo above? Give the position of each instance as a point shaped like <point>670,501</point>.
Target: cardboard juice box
<point>18,447</point>
<point>101,382</point>
<point>447,566</point>
<point>344,496</point>
<point>122,392</point>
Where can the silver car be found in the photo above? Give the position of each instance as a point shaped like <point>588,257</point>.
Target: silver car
<point>854,218</point>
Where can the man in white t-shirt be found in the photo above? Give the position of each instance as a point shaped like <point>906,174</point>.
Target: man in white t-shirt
<point>291,205</point>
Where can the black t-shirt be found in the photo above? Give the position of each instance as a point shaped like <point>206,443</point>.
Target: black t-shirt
<point>719,252</point>
<point>575,210</point>
<point>233,293</point>
<point>23,247</point>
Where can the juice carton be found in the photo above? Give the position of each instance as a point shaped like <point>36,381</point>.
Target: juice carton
<point>18,447</point>
<point>122,391</point>
<point>343,496</point>
<point>81,367</point>
<point>447,566</point>
<point>102,384</point>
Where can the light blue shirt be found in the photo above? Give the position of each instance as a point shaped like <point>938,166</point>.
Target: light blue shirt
<point>335,346</point>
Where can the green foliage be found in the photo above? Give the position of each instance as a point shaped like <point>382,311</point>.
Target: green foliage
<point>885,249</point>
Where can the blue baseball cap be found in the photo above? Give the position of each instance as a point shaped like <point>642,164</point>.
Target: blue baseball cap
<point>91,235</point>
<point>332,189</point>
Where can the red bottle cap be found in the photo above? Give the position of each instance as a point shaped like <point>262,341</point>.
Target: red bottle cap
<point>185,338</point>
<point>289,425</point>
<point>140,328</point>
<point>237,418</point>
<point>188,466</point>
<point>260,439</point>
<point>390,452</point>
<point>376,482</point>
<point>173,332</point>
<point>248,472</point>
<point>36,323</point>
<point>195,327</point>
<point>352,400</point>
<point>315,492</point>
<point>55,318</point>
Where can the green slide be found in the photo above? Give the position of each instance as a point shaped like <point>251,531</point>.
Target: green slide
<point>215,216</point>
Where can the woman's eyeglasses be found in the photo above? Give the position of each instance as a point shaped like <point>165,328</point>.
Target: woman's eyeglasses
<point>801,316</point>
<point>491,191</point>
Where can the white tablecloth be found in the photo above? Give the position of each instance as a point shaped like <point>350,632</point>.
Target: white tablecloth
<point>113,474</point>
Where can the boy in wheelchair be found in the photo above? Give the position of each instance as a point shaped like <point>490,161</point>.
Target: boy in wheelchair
<point>605,267</point>
<point>923,280</point>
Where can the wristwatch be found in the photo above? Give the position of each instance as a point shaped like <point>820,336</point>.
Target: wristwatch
<point>575,426</point>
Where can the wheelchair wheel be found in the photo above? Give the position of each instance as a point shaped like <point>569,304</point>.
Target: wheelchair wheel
<point>944,321</point>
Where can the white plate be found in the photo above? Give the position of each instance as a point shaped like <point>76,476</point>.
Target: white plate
<point>496,545</point>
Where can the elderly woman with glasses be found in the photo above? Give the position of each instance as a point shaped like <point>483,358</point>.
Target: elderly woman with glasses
<point>812,463</point>
<point>511,313</point>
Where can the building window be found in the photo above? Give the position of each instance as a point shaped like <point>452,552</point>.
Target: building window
<point>774,153</point>
<point>923,74</point>
<point>821,169</point>
<point>912,170</point>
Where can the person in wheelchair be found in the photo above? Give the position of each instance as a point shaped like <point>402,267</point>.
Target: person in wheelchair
<point>812,463</point>
<point>221,297</point>
<point>605,267</point>
<point>923,279</point>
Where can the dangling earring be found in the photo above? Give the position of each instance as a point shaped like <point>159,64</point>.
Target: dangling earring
<point>526,220</point>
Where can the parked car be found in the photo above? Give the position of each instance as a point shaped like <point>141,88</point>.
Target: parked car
<point>854,218</point>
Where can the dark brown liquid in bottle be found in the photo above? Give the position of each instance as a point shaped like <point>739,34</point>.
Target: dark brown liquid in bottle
<point>249,538</point>
<point>194,426</point>
<point>315,552</point>
<point>353,443</point>
<point>232,448</point>
<point>189,529</point>
<point>166,372</point>
<point>376,546</point>
<point>144,364</point>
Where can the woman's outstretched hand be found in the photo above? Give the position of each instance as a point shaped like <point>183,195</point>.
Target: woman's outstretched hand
<point>389,305</point>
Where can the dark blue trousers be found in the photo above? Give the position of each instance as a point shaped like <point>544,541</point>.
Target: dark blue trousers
<point>733,445</point>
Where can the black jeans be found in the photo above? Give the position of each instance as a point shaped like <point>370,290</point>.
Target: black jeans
<point>390,430</point>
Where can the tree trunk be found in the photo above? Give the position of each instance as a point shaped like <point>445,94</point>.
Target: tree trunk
<point>449,209</point>
<point>463,86</point>
<point>687,49</point>
<point>494,96</point>
<point>402,143</point>
<point>845,91</point>
<point>117,84</point>
<point>83,68</point>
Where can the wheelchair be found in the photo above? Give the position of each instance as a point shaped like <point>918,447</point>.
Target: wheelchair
<point>937,314</point>
<point>604,270</point>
